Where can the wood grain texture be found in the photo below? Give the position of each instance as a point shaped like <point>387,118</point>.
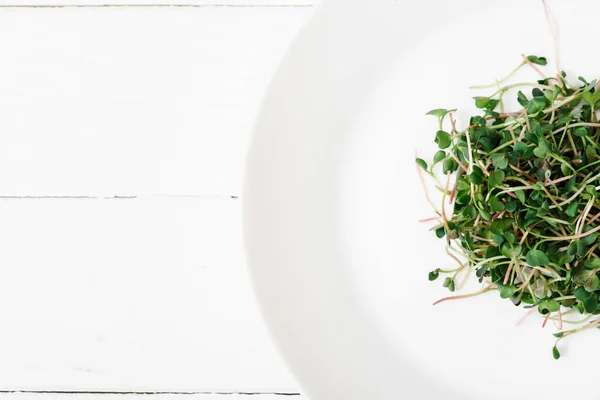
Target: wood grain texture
<point>90,106</point>
<point>130,295</point>
<point>123,138</point>
<point>168,396</point>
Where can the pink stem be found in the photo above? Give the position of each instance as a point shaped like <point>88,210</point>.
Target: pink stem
<point>464,296</point>
<point>575,237</point>
<point>594,218</point>
<point>499,216</point>
<point>508,271</point>
<point>568,266</point>
<point>477,220</point>
<point>511,194</point>
<point>453,122</point>
<point>554,182</point>
<point>462,166</point>
<point>453,195</point>
<point>546,320</point>
<point>529,313</point>
<point>429,219</point>
<point>560,321</point>
<point>536,69</point>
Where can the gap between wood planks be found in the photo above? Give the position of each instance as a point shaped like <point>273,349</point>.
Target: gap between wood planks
<point>116,393</point>
<point>117,197</point>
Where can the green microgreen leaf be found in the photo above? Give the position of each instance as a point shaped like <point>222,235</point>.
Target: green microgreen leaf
<point>496,178</point>
<point>536,105</point>
<point>443,139</point>
<point>537,258</point>
<point>433,275</point>
<point>555,353</point>
<point>572,209</point>
<point>537,60</point>
<point>439,156</point>
<point>421,163</point>
<point>477,177</point>
<point>440,112</point>
<point>580,131</point>
<point>523,209</point>
<point>542,150</point>
<point>500,160</point>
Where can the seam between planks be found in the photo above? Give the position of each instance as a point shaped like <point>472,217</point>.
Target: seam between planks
<point>117,197</point>
<point>156,5</point>
<point>147,393</point>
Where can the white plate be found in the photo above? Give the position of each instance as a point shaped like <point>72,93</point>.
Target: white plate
<point>332,201</point>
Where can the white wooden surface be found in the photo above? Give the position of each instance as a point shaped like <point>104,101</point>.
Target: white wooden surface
<point>122,140</point>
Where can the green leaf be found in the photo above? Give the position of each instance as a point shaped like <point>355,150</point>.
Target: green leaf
<point>596,97</point>
<point>433,275</point>
<point>588,98</point>
<point>500,160</point>
<point>470,245</point>
<point>507,292</point>
<point>588,240</point>
<point>496,178</point>
<point>481,102</point>
<point>470,212</point>
<point>421,163</point>
<point>521,195</point>
<point>570,185</point>
<point>511,206</point>
<point>477,176</point>
<point>537,258</point>
<point>440,113</point>
<point>542,150</point>
<point>536,105</point>
<point>590,304</point>
<point>548,306</point>
<point>520,148</point>
<point>450,165</point>
<point>572,249</point>
<point>440,232</point>
<point>555,353</point>
<point>499,239</point>
<point>581,248</point>
<point>581,294</point>
<point>580,131</point>
<point>439,156</point>
<point>538,186</point>
<point>592,263</point>
<point>537,60</point>
<point>443,139</point>
<point>449,283</point>
<point>485,215</point>
<point>496,204</point>
<point>522,99</point>
<point>588,278</point>
<point>572,209</point>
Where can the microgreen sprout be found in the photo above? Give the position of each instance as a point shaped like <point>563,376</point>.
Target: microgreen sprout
<point>522,211</point>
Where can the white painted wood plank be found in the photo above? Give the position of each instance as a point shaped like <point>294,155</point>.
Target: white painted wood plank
<point>61,396</point>
<point>146,294</point>
<point>219,3</point>
<point>109,101</point>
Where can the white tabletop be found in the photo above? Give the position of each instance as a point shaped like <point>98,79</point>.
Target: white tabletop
<point>122,139</point>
